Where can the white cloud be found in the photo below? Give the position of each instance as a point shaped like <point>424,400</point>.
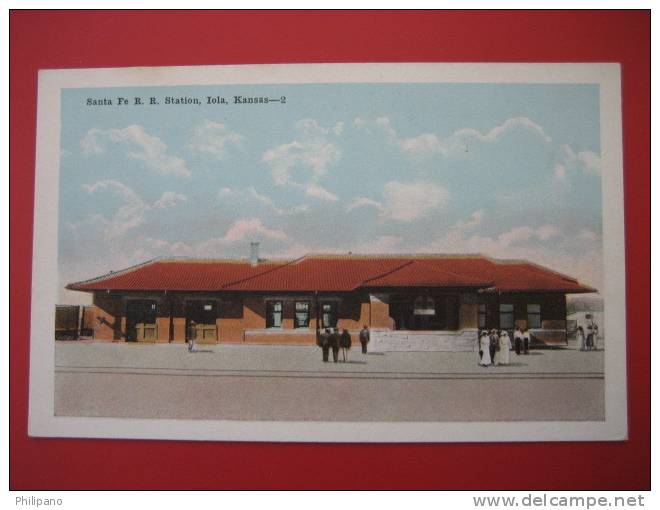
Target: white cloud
<point>523,234</point>
<point>471,223</point>
<point>381,125</point>
<point>587,235</point>
<point>282,158</point>
<point>406,202</point>
<point>241,231</point>
<point>315,156</point>
<point>148,248</point>
<point>142,146</point>
<point>169,199</point>
<point>560,171</point>
<point>252,228</point>
<point>213,138</point>
<point>591,162</point>
<point>578,255</point>
<point>379,245</point>
<point>91,222</point>
<point>461,140</point>
<point>153,248</point>
<point>129,216</point>
<point>587,161</point>
<point>426,143</point>
<point>91,143</point>
<point>316,191</point>
<point>299,209</point>
<point>431,143</point>
<point>460,229</point>
<point>115,186</point>
<point>311,154</point>
<point>547,232</point>
<point>250,196</point>
<point>458,238</point>
<point>517,123</point>
<point>360,202</point>
<point>516,235</point>
<point>263,200</point>
<point>311,128</point>
<point>291,250</point>
<point>382,244</point>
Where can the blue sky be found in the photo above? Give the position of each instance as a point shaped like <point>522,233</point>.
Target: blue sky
<point>511,171</point>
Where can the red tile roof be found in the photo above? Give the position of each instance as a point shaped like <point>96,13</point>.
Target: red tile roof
<point>320,273</point>
<point>336,273</point>
<point>426,273</point>
<point>176,275</point>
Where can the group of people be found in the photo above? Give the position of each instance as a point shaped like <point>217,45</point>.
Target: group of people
<point>331,339</point>
<point>495,346</point>
<point>587,342</point>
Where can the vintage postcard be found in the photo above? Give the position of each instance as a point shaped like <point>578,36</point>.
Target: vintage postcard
<point>363,252</point>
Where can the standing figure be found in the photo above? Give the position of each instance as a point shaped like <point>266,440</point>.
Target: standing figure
<point>504,352</point>
<point>364,338</point>
<point>518,340</point>
<point>345,343</point>
<point>481,353</point>
<point>324,344</point>
<point>334,344</point>
<point>191,334</point>
<point>595,338</point>
<point>579,336</point>
<point>484,349</point>
<point>526,340</point>
<point>494,343</point>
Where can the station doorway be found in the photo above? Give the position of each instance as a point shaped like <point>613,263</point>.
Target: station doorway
<point>141,320</point>
<point>201,318</point>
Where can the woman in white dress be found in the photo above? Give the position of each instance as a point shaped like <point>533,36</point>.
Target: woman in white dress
<point>580,339</point>
<point>484,349</point>
<point>504,353</point>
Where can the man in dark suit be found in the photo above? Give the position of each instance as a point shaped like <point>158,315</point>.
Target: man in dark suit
<point>345,343</point>
<point>494,343</point>
<point>364,338</point>
<point>324,343</point>
<point>334,344</point>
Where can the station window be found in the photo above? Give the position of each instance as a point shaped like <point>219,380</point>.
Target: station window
<point>483,318</point>
<point>533,316</point>
<point>329,314</point>
<point>301,315</point>
<point>274,314</point>
<point>506,316</point>
<point>424,305</point>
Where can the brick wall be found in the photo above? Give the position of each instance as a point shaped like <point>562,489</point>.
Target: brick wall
<point>380,313</point>
<point>108,324</point>
<point>243,318</point>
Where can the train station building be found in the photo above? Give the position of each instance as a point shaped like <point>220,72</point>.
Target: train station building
<point>416,302</point>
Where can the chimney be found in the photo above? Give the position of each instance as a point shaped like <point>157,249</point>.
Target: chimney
<point>254,253</point>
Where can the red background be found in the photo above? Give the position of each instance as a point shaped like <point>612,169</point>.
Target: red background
<point>41,40</point>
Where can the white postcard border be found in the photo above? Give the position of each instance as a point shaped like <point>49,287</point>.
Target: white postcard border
<point>42,421</point>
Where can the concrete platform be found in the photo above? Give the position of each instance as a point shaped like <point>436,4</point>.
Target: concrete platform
<point>248,382</point>
<point>306,360</point>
